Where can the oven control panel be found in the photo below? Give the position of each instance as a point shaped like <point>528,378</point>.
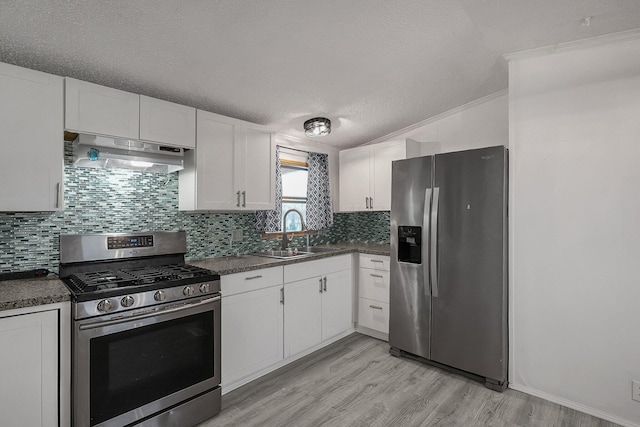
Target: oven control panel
<point>123,242</point>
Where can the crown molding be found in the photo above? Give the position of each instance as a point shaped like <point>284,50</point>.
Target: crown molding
<point>574,45</point>
<point>440,116</point>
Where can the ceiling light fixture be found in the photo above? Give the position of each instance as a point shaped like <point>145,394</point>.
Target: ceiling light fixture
<point>318,126</point>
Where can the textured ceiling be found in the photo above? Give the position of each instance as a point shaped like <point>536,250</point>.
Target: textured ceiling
<point>371,66</point>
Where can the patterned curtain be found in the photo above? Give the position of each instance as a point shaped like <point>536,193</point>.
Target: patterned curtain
<point>271,221</point>
<point>319,206</point>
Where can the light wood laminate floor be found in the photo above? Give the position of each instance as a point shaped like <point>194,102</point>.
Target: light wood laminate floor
<point>356,382</point>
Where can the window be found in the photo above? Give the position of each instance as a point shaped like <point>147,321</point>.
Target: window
<point>294,192</point>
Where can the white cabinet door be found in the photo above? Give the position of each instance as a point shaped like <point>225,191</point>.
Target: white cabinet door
<point>29,369</point>
<point>337,304</point>
<point>232,168</point>
<point>207,181</point>
<point>167,123</point>
<point>100,110</point>
<point>252,332</point>
<point>302,315</point>
<point>31,154</point>
<point>354,179</point>
<point>256,168</point>
<point>381,156</point>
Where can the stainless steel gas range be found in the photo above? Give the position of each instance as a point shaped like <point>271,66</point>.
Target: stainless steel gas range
<point>146,330</point>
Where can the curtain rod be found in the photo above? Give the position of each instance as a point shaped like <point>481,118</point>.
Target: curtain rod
<point>294,149</point>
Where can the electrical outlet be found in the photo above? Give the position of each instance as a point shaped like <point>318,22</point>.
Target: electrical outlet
<point>237,235</point>
<point>635,390</point>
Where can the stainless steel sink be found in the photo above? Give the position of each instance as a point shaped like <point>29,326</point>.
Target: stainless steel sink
<point>301,252</point>
<point>318,249</point>
<point>282,254</point>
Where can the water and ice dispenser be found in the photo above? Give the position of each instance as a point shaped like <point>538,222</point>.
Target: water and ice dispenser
<point>410,244</point>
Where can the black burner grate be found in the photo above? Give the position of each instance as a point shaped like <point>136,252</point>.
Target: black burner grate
<point>134,276</point>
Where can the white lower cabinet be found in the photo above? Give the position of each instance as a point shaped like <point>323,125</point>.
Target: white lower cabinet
<point>373,296</point>
<point>318,302</point>
<point>303,315</point>
<point>252,323</point>
<point>266,324</point>
<point>33,356</point>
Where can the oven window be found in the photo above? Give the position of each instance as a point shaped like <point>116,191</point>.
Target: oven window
<point>135,367</point>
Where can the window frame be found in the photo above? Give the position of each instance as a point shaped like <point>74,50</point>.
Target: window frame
<point>291,164</point>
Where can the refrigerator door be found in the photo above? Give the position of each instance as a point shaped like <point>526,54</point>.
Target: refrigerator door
<point>469,317</point>
<point>410,295</point>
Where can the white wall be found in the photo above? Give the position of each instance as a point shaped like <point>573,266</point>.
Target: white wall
<point>482,123</point>
<point>575,226</point>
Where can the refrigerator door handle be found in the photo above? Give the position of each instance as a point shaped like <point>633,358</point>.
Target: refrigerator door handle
<point>434,242</point>
<point>425,239</point>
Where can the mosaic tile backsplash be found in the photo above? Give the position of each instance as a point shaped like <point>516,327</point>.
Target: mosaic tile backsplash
<point>102,201</point>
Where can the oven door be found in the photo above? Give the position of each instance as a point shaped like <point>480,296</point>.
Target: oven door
<point>128,369</point>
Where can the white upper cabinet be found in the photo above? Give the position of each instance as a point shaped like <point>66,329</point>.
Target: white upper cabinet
<point>31,152</point>
<point>354,179</point>
<point>100,110</point>
<point>232,169</point>
<point>365,174</point>
<point>167,123</point>
<point>255,168</point>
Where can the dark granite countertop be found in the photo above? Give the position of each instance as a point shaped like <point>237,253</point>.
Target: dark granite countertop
<point>241,263</point>
<point>49,290</point>
<point>32,292</point>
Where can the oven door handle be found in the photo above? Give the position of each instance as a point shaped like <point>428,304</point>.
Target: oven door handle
<point>146,315</point>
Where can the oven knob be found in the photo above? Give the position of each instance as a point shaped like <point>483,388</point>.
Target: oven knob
<point>160,296</point>
<point>188,290</point>
<point>205,287</point>
<point>127,301</point>
<point>105,305</point>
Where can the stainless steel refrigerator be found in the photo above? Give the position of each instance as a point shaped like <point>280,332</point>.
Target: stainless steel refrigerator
<point>448,301</point>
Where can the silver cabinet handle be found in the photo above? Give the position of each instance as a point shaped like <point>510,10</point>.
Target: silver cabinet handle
<point>377,260</point>
<point>58,197</point>
<point>376,307</point>
<point>366,202</point>
<point>325,283</point>
<point>253,277</point>
<point>434,241</point>
<point>244,199</point>
<point>370,202</point>
<point>282,296</point>
<point>377,275</point>
<point>320,284</point>
<point>238,199</point>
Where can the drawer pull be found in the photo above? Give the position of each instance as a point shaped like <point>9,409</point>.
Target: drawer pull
<point>253,277</point>
<point>377,260</point>
<point>377,307</point>
<point>377,275</point>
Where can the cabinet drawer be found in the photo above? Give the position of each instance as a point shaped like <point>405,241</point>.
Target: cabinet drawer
<point>237,283</point>
<point>373,315</point>
<point>373,284</point>
<point>375,262</point>
<point>320,267</point>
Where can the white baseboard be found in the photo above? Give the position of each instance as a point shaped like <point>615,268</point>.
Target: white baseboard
<point>574,405</point>
<point>372,333</point>
<point>226,388</point>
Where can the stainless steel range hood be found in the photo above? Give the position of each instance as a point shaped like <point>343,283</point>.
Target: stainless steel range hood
<point>112,153</point>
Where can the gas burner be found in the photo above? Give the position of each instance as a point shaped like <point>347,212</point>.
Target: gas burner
<point>100,280</point>
<point>185,271</point>
<point>148,275</point>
